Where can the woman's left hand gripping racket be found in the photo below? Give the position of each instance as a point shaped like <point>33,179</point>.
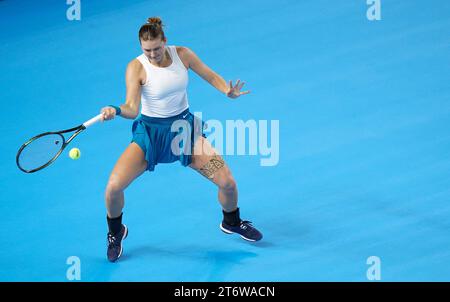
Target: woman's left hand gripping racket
<point>43,149</point>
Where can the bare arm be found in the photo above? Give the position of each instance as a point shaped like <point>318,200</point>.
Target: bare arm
<point>130,109</point>
<point>210,76</point>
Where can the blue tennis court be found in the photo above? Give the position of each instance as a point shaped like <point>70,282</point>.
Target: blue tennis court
<point>364,145</point>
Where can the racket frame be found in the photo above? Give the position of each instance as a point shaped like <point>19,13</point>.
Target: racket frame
<point>78,130</point>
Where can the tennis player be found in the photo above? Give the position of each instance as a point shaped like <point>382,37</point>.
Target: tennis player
<point>158,79</point>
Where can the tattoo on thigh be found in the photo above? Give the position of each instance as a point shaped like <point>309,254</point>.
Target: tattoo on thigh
<point>214,164</point>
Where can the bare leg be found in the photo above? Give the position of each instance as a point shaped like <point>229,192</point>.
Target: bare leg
<point>210,164</point>
<point>130,165</point>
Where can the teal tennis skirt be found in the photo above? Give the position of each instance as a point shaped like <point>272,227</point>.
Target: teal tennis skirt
<point>167,140</point>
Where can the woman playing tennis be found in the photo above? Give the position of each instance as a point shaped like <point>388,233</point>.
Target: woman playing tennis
<point>157,80</point>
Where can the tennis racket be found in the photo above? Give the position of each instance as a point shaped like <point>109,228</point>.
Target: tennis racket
<point>43,149</point>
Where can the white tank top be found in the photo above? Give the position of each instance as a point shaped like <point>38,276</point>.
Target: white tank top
<point>164,91</point>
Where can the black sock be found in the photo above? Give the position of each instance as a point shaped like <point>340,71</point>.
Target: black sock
<point>231,218</point>
<point>114,224</point>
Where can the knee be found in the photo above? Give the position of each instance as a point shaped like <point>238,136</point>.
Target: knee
<point>228,183</point>
<point>113,187</point>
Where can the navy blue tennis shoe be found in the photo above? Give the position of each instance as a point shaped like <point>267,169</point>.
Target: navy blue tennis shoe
<point>244,228</point>
<point>115,248</point>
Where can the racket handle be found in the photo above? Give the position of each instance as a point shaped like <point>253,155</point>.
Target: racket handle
<point>93,120</point>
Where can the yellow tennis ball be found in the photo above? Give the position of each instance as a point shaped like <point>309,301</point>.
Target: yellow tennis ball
<point>74,153</point>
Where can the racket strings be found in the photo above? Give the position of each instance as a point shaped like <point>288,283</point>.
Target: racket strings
<point>40,151</point>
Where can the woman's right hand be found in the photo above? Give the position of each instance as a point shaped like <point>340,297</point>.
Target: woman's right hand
<point>108,112</point>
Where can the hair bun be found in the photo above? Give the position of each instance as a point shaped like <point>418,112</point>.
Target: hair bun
<point>154,20</point>
<point>151,30</point>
